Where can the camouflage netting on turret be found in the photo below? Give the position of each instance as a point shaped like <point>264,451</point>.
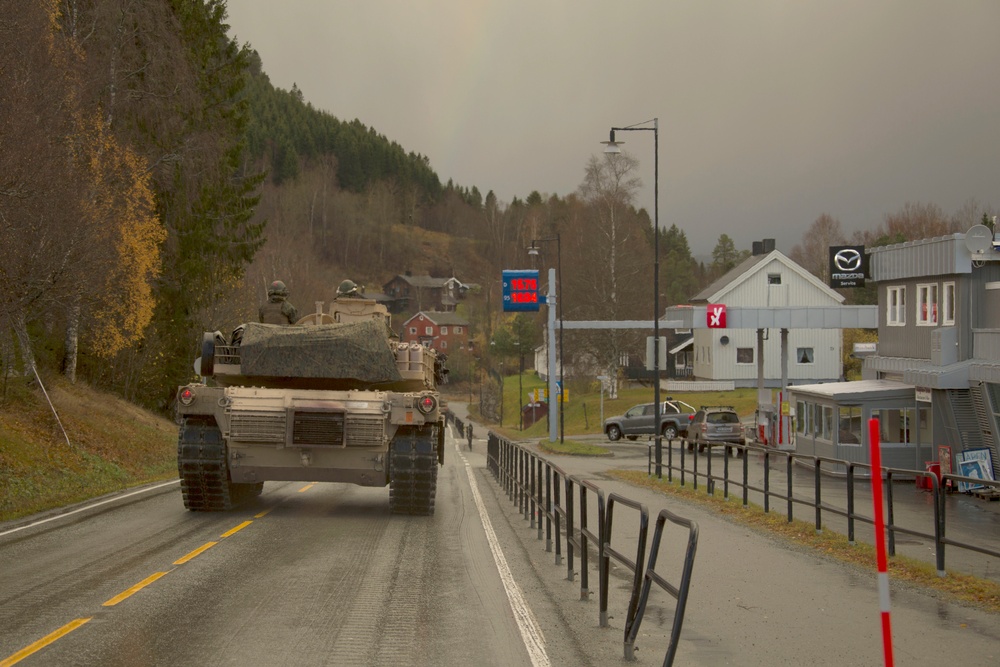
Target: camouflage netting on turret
<point>359,351</point>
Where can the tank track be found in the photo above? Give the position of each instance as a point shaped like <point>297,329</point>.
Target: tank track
<point>201,464</point>
<point>413,471</point>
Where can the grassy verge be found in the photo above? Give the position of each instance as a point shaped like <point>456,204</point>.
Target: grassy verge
<point>113,445</point>
<point>573,448</point>
<point>965,588</point>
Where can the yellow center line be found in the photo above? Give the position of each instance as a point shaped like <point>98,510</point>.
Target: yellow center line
<point>73,625</point>
<point>307,487</point>
<point>135,589</point>
<point>233,531</point>
<point>43,642</point>
<point>199,550</point>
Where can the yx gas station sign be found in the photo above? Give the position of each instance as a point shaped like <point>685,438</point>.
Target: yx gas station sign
<point>715,316</point>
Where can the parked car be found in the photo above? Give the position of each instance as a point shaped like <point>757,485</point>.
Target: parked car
<point>638,420</point>
<point>715,424</point>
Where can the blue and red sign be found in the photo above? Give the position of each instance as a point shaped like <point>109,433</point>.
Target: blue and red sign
<point>520,290</point>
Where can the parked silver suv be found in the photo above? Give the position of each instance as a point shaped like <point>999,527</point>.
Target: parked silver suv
<point>715,425</point>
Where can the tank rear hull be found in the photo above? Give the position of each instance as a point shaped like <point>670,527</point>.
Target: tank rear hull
<point>314,402</point>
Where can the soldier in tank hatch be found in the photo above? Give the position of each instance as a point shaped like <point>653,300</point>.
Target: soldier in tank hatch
<point>348,289</point>
<point>277,310</point>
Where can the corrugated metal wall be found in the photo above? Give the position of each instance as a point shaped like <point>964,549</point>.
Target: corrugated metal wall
<point>944,255</point>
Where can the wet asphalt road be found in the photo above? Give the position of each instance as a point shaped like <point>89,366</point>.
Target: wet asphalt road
<point>308,575</point>
<point>324,575</point>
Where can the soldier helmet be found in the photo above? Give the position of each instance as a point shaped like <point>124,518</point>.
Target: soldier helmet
<point>347,288</point>
<point>277,288</point>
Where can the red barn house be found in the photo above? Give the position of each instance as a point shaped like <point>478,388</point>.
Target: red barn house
<point>444,332</point>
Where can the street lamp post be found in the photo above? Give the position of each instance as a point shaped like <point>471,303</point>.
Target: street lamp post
<point>533,251</point>
<point>520,390</point>
<point>501,393</point>
<point>472,364</point>
<point>611,146</point>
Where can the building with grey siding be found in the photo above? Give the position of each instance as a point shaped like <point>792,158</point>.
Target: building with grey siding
<point>934,382</point>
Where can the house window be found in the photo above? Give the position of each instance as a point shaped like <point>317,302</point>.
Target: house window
<point>896,306</point>
<point>774,279</point>
<point>444,331</point>
<point>948,304</point>
<point>812,423</point>
<point>744,355</point>
<point>429,331</point>
<point>902,425</point>
<point>850,426</point>
<point>413,330</point>
<point>927,305</point>
<point>804,355</point>
<point>458,330</point>
<point>827,424</point>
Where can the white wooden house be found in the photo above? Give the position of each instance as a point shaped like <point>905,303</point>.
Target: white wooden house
<point>767,279</point>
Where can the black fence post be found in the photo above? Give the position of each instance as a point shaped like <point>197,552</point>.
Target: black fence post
<point>788,477</point>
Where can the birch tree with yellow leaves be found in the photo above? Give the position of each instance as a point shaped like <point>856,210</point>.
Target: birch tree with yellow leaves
<point>121,258</point>
<point>78,232</point>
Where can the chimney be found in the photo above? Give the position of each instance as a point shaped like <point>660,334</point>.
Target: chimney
<point>758,248</point>
<point>768,245</point>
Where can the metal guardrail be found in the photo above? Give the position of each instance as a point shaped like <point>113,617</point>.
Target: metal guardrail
<point>936,532</point>
<point>633,566</point>
<point>465,430</point>
<point>543,492</point>
<point>680,591</point>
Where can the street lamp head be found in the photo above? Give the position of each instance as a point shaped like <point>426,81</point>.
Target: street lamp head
<point>532,250</point>
<point>611,146</point>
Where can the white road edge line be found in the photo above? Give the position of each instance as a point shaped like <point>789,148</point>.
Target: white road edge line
<point>88,507</point>
<point>534,640</point>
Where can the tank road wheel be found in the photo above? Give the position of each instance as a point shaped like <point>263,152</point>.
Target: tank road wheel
<point>201,463</point>
<point>413,470</point>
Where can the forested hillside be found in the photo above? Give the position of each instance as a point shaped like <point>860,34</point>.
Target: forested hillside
<point>153,182</point>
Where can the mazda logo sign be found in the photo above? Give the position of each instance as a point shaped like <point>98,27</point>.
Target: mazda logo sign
<point>848,266</point>
<point>847,259</point>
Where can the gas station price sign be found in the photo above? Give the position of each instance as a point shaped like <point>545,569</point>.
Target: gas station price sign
<point>520,290</point>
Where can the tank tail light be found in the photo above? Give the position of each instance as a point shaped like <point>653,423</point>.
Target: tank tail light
<point>186,396</point>
<point>426,404</point>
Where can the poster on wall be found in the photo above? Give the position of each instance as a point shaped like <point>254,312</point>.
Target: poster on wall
<point>974,463</point>
<point>944,458</point>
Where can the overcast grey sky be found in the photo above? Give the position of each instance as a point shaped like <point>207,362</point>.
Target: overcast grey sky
<point>771,112</point>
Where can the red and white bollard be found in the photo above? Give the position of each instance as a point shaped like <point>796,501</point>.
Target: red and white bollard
<point>880,550</point>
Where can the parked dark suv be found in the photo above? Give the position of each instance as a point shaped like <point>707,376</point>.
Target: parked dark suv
<point>715,424</point>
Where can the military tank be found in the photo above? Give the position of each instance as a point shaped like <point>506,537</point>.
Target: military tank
<point>332,398</point>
